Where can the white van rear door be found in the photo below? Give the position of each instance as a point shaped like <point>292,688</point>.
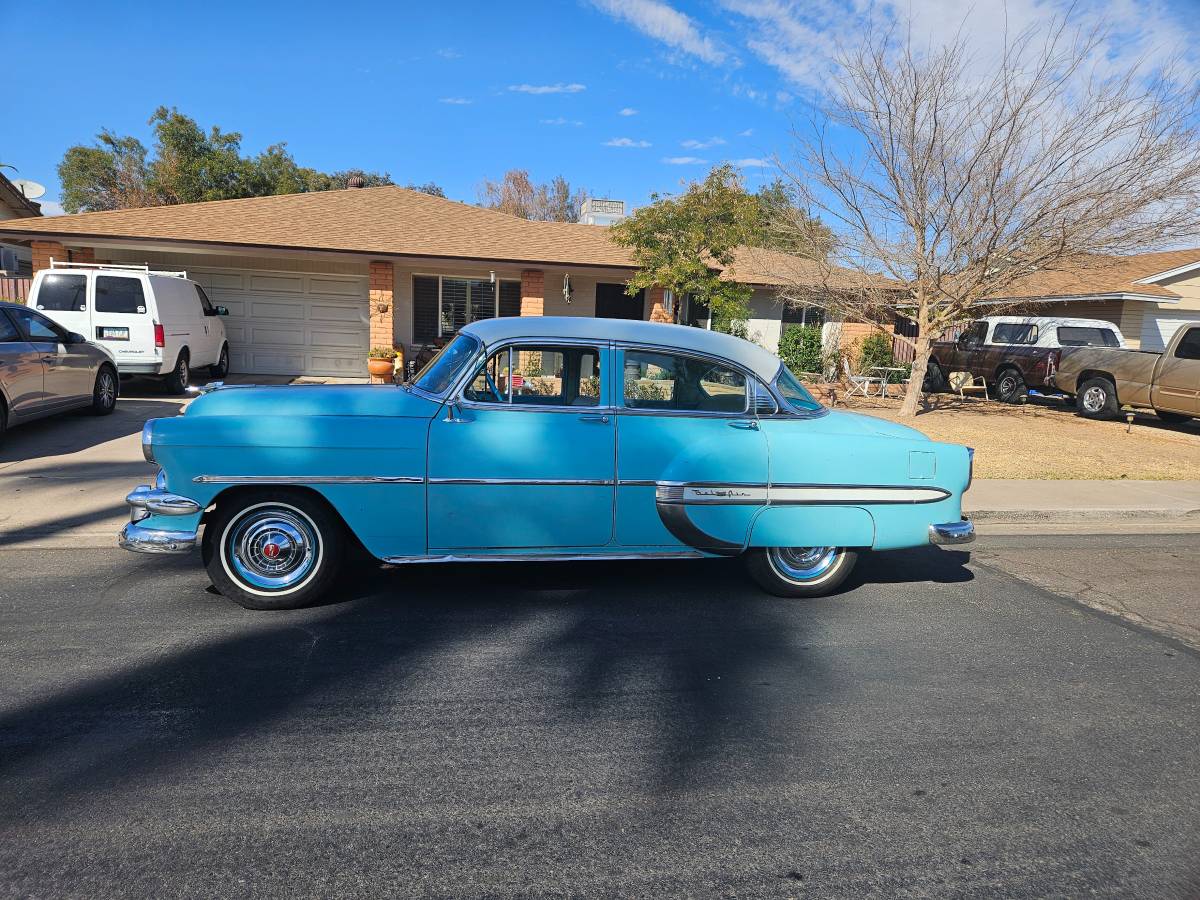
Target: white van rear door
<point>63,298</point>
<point>122,317</point>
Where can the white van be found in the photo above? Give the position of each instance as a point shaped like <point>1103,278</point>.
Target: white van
<point>153,323</point>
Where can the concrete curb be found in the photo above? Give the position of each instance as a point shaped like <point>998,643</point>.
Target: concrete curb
<point>1068,516</point>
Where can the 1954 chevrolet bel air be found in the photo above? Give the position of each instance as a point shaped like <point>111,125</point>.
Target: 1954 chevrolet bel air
<point>544,439</point>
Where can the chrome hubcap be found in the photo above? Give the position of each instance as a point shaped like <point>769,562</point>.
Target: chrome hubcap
<point>183,371</point>
<point>1093,399</point>
<point>803,563</point>
<point>108,390</point>
<point>273,548</point>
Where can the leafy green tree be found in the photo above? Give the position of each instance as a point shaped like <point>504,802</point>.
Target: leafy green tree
<point>518,195</point>
<point>782,224</point>
<point>681,243</point>
<point>189,164</point>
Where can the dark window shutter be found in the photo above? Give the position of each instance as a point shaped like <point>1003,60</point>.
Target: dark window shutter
<point>425,309</point>
<point>510,298</point>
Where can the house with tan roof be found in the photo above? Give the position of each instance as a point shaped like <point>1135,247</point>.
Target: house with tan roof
<point>15,258</point>
<point>313,280</point>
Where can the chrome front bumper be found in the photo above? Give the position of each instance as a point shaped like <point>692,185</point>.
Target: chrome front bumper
<point>146,501</point>
<point>952,532</point>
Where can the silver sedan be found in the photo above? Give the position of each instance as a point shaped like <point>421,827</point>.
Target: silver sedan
<point>45,369</point>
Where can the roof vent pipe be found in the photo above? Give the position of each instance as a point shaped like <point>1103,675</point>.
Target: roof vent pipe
<point>356,181</point>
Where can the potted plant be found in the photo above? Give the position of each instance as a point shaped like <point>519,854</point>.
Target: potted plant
<point>381,362</point>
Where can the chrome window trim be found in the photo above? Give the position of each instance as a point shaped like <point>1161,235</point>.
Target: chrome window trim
<point>622,346</point>
<point>600,347</point>
<point>470,367</point>
<point>309,479</point>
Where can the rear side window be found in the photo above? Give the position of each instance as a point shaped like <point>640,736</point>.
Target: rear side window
<point>1086,336</point>
<point>63,293</point>
<point>1189,347</point>
<point>119,295</point>
<point>1014,333</point>
<point>8,331</point>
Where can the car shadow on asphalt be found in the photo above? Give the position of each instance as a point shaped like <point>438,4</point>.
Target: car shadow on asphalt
<point>79,430</point>
<point>691,652</point>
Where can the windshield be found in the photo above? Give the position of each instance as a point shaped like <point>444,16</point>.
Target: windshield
<point>441,371</point>
<point>793,392</point>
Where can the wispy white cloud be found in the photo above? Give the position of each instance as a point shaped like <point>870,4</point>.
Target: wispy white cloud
<point>746,133</point>
<point>560,88</point>
<point>625,142</point>
<point>628,111</point>
<point>457,101</point>
<point>684,160</point>
<point>751,162</point>
<point>694,144</point>
<point>448,53</point>
<point>51,208</point>
<point>560,120</point>
<point>667,24</point>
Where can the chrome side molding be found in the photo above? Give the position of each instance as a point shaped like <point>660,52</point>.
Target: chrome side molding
<point>537,557</point>
<point>309,479</point>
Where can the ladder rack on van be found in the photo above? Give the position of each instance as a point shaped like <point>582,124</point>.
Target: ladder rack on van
<point>59,264</point>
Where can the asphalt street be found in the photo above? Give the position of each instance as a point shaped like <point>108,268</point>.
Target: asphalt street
<point>945,726</point>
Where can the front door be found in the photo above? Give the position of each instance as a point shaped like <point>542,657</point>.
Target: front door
<point>20,370</point>
<point>691,458</point>
<point>1177,381</point>
<point>613,303</point>
<point>524,459</point>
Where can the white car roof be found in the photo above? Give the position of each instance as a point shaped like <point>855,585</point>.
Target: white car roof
<point>1051,320</point>
<point>748,355</point>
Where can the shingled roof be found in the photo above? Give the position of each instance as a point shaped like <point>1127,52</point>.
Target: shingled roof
<point>1107,276</point>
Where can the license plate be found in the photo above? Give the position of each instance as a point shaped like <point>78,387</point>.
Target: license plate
<point>111,333</point>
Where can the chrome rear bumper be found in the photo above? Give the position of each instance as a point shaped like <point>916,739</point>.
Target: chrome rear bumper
<point>152,540</point>
<point>952,532</point>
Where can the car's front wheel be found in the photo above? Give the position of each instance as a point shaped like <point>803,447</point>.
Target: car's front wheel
<point>800,571</point>
<point>273,551</point>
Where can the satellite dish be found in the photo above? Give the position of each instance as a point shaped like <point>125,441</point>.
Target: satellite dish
<point>30,189</point>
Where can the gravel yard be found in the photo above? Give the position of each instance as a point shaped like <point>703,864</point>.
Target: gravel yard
<point>1044,439</point>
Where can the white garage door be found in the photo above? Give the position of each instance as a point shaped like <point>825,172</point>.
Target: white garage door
<point>283,323</point>
<point>1159,327</point>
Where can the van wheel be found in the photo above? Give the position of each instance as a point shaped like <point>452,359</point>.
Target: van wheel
<point>104,394</point>
<point>177,381</point>
<point>1097,399</point>
<point>221,369</point>
<point>800,571</point>
<point>273,550</point>
<point>1011,387</point>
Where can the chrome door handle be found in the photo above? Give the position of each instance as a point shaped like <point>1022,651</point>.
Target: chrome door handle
<point>603,420</point>
<point>747,424</point>
<point>49,359</point>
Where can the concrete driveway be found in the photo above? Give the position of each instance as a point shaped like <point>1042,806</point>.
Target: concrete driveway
<point>63,480</point>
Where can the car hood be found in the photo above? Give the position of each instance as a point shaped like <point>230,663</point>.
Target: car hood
<point>859,425</point>
<point>313,400</point>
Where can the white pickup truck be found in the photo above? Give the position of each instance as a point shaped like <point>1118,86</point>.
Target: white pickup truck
<point>1103,380</point>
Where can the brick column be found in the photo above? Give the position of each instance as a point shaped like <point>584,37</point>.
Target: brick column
<point>44,250</point>
<point>533,292</point>
<point>83,254</point>
<point>382,301</point>
<point>658,306</point>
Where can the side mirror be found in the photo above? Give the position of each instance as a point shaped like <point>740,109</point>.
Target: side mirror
<point>74,337</point>
<point>222,311</point>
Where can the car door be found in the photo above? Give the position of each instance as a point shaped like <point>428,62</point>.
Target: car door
<point>691,457</point>
<point>1177,381</point>
<point>20,371</point>
<point>211,325</point>
<point>67,377</point>
<point>523,458</point>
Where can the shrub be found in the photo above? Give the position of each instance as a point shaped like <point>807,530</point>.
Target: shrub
<point>800,348</point>
<point>875,350</point>
<point>382,353</point>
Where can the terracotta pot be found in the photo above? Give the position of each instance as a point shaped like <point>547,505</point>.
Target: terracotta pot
<point>381,368</point>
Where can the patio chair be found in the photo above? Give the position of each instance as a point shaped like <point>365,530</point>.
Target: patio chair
<point>859,384</point>
<point>965,382</point>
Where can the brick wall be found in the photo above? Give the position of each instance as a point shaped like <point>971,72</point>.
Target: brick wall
<point>381,287</point>
<point>533,292</point>
<point>656,300</point>
<point>44,251</point>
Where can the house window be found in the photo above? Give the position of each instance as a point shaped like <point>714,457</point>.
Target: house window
<point>442,305</point>
<point>803,315</point>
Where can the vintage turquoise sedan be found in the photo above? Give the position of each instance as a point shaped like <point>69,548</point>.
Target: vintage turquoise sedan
<point>543,439</point>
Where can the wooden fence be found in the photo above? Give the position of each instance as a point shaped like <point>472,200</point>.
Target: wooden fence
<point>15,289</point>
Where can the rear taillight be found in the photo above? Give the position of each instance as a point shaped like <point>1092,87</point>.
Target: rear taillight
<point>160,338</point>
<point>1052,365</point>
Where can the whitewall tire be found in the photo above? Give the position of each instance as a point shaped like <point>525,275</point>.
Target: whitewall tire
<point>800,571</point>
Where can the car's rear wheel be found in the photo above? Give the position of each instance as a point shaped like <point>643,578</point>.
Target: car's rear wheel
<point>1011,387</point>
<point>280,550</point>
<point>177,381</point>
<point>1097,399</point>
<point>104,394</point>
<point>800,571</point>
<point>1172,418</point>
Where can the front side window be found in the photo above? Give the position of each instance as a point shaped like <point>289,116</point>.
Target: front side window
<point>793,392</point>
<point>974,335</point>
<point>443,370</point>
<point>119,295</point>
<point>38,327</point>
<point>63,293</point>
<point>668,381</point>
<point>1086,336</point>
<point>1189,346</point>
<point>1015,333</point>
<point>538,376</point>
<point>205,303</point>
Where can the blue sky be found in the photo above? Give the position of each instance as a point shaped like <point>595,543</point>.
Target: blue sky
<point>623,97</point>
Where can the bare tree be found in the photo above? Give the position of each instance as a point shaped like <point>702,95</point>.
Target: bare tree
<point>517,195</point>
<point>962,188</point>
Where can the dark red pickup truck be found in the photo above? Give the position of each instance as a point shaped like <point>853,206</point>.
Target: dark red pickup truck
<point>1016,353</point>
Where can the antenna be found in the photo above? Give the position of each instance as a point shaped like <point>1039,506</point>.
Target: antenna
<point>30,190</point>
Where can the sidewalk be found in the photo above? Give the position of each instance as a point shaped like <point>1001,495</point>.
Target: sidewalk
<point>1007,500</point>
